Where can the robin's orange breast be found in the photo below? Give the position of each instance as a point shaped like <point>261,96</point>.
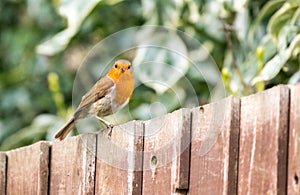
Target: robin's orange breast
<point>123,91</point>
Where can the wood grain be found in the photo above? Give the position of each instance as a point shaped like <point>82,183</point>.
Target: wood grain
<point>214,147</point>
<point>263,142</point>
<point>27,169</point>
<point>294,142</point>
<point>2,173</point>
<point>73,165</point>
<point>167,153</point>
<point>119,160</point>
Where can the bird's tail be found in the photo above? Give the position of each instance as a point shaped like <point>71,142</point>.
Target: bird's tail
<point>65,130</point>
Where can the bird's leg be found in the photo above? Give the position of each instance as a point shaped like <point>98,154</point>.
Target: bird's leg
<point>108,125</point>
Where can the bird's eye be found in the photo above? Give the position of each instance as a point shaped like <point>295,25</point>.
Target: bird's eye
<point>116,66</point>
<point>129,67</point>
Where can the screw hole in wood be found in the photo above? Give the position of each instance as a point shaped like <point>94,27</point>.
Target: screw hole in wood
<point>153,161</point>
<point>201,109</point>
<point>296,179</point>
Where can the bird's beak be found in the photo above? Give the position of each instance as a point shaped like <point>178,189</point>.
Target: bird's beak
<point>123,69</point>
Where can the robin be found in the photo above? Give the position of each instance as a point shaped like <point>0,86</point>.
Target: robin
<point>109,94</point>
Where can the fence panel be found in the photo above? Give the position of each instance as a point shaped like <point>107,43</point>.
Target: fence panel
<point>27,169</point>
<point>263,142</point>
<point>233,146</point>
<point>119,160</point>
<point>294,142</point>
<point>73,165</point>
<point>167,153</point>
<point>215,134</point>
<point>2,172</point>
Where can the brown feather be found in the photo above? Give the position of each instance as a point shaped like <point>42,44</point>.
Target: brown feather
<point>98,91</point>
<point>65,130</point>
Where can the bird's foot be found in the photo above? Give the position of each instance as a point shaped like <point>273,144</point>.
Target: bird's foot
<point>110,128</point>
<point>108,125</point>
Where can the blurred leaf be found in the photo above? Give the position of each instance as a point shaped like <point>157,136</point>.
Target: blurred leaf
<point>273,66</point>
<point>75,11</point>
<point>282,17</point>
<point>286,35</point>
<point>57,43</point>
<point>162,12</point>
<point>161,64</point>
<point>43,13</point>
<point>242,19</point>
<point>251,66</point>
<point>35,132</point>
<point>269,8</point>
<point>158,105</point>
<point>260,86</point>
<point>296,17</point>
<point>54,86</point>
<point>295,78</point>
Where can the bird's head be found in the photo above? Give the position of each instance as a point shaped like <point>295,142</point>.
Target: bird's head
<point>121,67</point>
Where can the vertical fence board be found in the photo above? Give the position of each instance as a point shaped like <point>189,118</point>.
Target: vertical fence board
<point>2,173</point>
<point>119,160</point>
<point>214,147</point>
<point>167,153</point>
<point>294,142</point>
<point>263,142</point>
<point>27,169</point>
<point>73,165</point>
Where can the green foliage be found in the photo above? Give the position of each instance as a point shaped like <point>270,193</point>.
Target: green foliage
<point>57,96</point>
<point>283,27</point>
<point>255,45</point>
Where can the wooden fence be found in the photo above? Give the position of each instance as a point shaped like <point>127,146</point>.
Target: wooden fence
<point>248,145</point>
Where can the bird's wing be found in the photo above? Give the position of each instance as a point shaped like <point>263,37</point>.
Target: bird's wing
<point>101,88</point>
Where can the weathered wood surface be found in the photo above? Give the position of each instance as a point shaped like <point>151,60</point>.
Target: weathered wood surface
<point>119,160</point>
<point>27,169</point>
<point>294,142</point>
<point>167,153</point>
<point>214,147</point>
<point>72,169</point>
<point>234,146</point>
<point>263,142</point>
<point>2,173</point>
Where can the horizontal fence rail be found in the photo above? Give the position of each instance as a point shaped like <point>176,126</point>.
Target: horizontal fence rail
<point>248,145</point>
